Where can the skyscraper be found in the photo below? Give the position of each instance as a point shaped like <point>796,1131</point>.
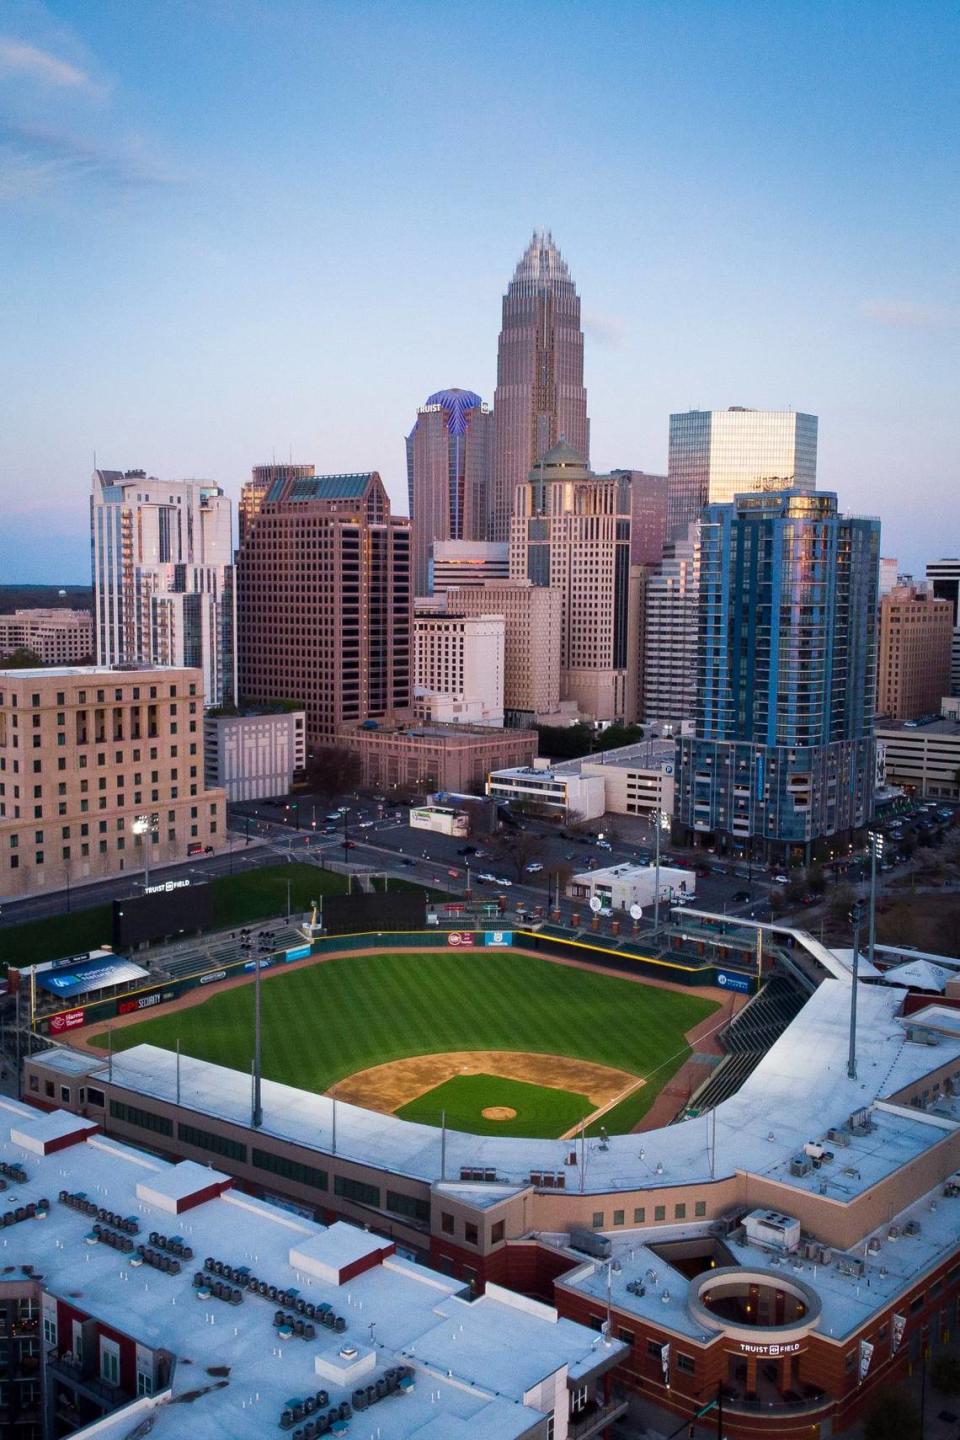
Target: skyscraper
<point>571,529</point>
<point>783,754</point>
<point>449,462</point>
<point>325,603</point>
<point>648,515</point>
<point>163,579</point>
<point>718,454</point>
<point>262,477</point>
<point>944,575</point>
<point>540,397</point>
<point>668,675</point>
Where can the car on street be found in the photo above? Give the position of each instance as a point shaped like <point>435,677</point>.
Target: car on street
<point>500,880</point>
<point>467,850</point>
<point>487,878</point>
<point>781,880</point>
<point>408,862</point>
<point>454,874</point>
<point>533,867</point>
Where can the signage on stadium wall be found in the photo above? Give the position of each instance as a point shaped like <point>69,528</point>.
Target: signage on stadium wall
<point>68,1020</point>
<point>779,1347</point>
<point>139,1002</point>
<point>165,887</point>
<point>214,975</point>
<point>501,938</point>
<point>460,938</point>
<point>299,952</point>
<point>728,981</point>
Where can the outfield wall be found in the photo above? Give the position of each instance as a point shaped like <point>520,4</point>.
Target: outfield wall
<point>59,1024</point>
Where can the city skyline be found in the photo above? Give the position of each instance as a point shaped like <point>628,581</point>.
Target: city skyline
<point>790,238</point>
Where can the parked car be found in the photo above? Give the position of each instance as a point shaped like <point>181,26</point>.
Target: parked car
<point>533,867</point>
<point>500,880</point>
<point>487,877</point>
<point>781,880</point>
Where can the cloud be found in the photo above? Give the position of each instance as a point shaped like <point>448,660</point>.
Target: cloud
<point>23,59</point>
<point>910,314</point>
<point>35,158</point>
<point>605,330</point>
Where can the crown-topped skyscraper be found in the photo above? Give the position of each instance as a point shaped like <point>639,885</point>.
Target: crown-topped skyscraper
<point>540,397</point>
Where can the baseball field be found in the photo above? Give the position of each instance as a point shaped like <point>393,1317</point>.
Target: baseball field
<point>495,1042</point>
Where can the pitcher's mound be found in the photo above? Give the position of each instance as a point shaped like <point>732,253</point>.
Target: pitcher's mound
<point>498,1112</point>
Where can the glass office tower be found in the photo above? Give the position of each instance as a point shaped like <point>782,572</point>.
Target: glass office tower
<point>717,454</point>
<point>783,754</point>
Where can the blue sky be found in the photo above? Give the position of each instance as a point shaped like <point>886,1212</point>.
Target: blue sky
<point>230,230</point>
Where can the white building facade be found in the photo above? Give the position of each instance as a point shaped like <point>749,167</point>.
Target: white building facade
<point>575,796</point>
<point>163,576</point>
<point>254,756</point>
<point>459,669</point>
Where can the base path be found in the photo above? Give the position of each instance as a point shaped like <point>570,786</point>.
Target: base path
<point>387,1087</point>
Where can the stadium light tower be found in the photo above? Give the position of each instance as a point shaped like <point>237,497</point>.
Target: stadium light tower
<point>146,825</point>
<point>661,821</point>
<point>875,842</point>
<point>856,915</point>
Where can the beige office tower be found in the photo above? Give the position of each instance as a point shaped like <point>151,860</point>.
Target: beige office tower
<point>262,479</point>
<point>532,615</point>
<point>671,593</point>
<point>58,637</point>
<point>101,768</point>
<point>916,636</point>
<point>458,674</point>
<point>571,530</point>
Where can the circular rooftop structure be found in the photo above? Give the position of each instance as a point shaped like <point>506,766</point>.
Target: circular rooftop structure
<point>757,1306</point>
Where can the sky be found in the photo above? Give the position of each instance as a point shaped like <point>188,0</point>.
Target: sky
<point>233,230</point>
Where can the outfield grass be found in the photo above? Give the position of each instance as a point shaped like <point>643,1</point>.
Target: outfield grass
<point>237,900</point>
<point>541,1109</point>
<point>331,1019</point>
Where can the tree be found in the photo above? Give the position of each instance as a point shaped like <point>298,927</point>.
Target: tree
<point>841,903</point>
<point>517,848</point>
<point>21,659</point>
<point>616,735</point>
<point>892,1416</point>
<point>564,742</point>
<point>816,880</point>
<point>332,770</point>
<point>558,873</point>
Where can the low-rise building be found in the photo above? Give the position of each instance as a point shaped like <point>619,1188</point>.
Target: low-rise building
<point>540,783</point>
<point>58,637</point>
<point>637,779</point>
<point>921,755</point>
<point>618,887</point>
<point>441,819</point>
<point>256,752</point>
<point>97,764</point>
<point>435,757</point>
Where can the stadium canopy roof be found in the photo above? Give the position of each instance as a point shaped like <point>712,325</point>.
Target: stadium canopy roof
<point>70,980</point>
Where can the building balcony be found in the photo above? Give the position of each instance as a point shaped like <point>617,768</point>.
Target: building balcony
<point>768,1399</point>
<point>593,1418</point>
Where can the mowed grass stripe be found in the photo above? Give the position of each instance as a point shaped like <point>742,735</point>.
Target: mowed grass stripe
<point>331,1019</point>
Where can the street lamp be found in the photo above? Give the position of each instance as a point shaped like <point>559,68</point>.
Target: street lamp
<point>661,821</point>
<point>875,842</point>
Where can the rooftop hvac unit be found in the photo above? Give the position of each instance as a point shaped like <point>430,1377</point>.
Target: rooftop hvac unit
<point>838,1137</point>
<point>738,1236</point>
<point>912,1227</point>
<point>893,1232</point>
<point>860,1122</point>
<point>826,1255</point>
<point>851,1265</point>
<point>873,1245</point>
<point>800,1165</point>
<point>589,1242</point>
<point>636,1287</point>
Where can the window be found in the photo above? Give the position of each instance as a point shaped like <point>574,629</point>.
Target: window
<point>653,1348</point>
<point>144,1119</point>
<point>579,1395</point>
<point>356,1190</point>
<point>109,1361</point>
<point>95,1097</point>
<point>700,1207</point>
<point>470,1233</point>
<point>916,1304</point>
<point>144,1383</point>
<point>408,1205</point>
<point>627,1336</point>
<point>290,1169</point>
<point>48,1089</point>
<point>65,1094</point>
<point>496,1232</point>
<point>50,1329</point>
<point>447,1223</point>
<point>618,1217</point>
<point>207,1140</point>
<point>639,1215</point>
<point>686,1363</point>
<point>679,1212</point>
<point>660,1212</point>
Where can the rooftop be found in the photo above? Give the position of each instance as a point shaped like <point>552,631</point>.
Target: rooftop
<point>465,1378</point>
<point>936,725</point>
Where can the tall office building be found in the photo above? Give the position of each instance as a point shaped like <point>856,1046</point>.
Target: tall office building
<point>531,615</point>
<point>163,577</point>
<point>467,564</point>
<point>449,463</point>
<point>716,455</point>
<point>783,754</point>
<point>668,673</point>
<point>540,397</point>
<point>325,602</point>
<point>254,490</point>
<point>913,670</point>
<point>944,576</point>
<point>648,515</point>
<point>571,530</point>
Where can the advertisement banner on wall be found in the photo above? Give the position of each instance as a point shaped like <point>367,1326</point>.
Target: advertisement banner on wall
<point>298,952</point>
<point>67,1020</point>
<point>500,938</point>
<point>665,1363</point>
<point>727,980</point>
<point>866,1355</point>
<point>899,1325</point>
<point>460,938</point>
